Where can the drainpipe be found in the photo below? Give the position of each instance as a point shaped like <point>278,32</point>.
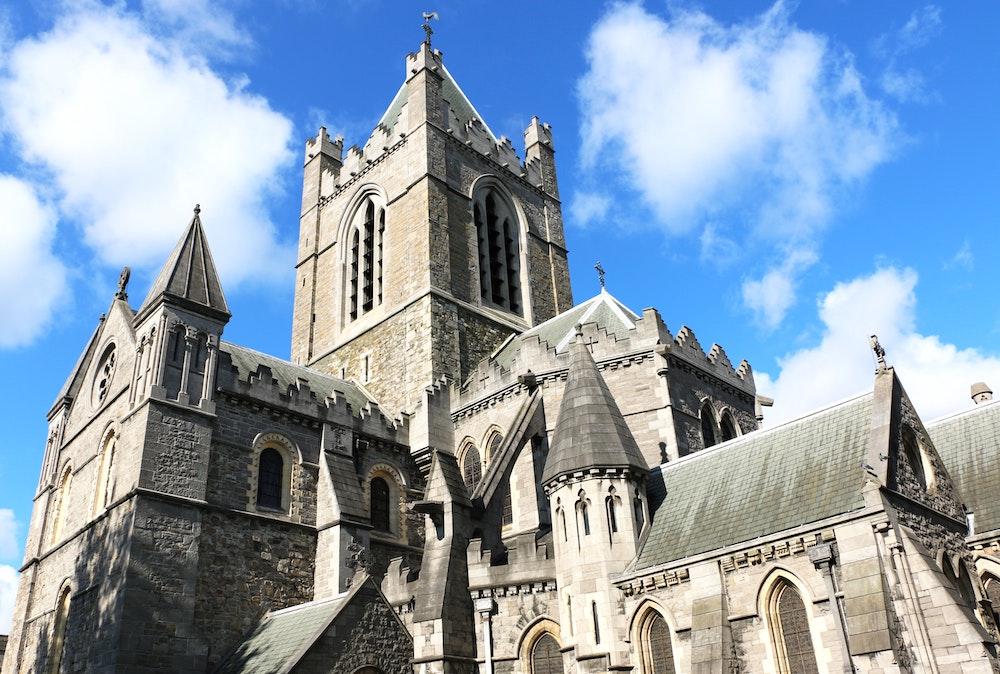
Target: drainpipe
<point>821,555</point>
<point>485,606</point>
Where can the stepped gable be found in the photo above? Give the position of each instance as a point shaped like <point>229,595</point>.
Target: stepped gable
<point>967,444</point>
<point>790,475</point>
<point>189,277</point>
<point>590,431</point>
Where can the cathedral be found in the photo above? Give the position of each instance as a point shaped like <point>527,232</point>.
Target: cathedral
<point>460,470</point>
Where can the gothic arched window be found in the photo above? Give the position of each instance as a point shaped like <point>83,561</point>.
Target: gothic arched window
<point>707,424</point>
<point>365,264</point>
<point>58,644</point>
<point>472,467</point>
<point>727,426</point>
<point>911,455</point>
<point>655,645</point>
<point>379,502</point>
<point>61,505</point>
<point>270,475</point>
<point>499,238</point>
<point>545,656</point>
<point>103,491</point>
<point>790,631</point>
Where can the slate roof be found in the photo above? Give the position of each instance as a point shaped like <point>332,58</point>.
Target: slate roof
<point>246,361</point>
<point>764,482</point>
<point>590,429</point>
<point>969,445</point>
<point>189,274</point>
<point>281,639</point>
<point>604,310</point>
<point>450,92</point>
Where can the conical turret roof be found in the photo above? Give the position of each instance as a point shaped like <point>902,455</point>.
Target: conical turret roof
<point>189,276</point>
<point>590,431</point>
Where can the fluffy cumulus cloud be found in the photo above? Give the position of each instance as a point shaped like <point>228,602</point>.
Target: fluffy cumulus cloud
<point>771,296</point>
<point>33,279</point>
<point>759,123</point>
<point>8,591</point>
<point>8,575</point>
<point>936,375</point>
<point>138,131</point>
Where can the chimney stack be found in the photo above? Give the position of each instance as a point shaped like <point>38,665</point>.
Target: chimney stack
<point>981,392</point>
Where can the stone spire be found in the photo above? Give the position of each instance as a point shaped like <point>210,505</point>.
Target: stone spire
<point>189,277</point>
<point>590,430</point>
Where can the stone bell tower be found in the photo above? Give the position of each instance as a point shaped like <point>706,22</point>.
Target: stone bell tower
<point>422,251</point>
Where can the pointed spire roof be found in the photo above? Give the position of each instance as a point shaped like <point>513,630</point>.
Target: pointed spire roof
<point>189,276</point>
<point>590,431</point>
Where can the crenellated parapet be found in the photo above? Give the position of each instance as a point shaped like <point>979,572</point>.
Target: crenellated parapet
<point>526,559</point>
<point>716,363</point>
<point>316,398</point>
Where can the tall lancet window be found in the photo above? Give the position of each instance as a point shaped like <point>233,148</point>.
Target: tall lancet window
<point>499,238</point>
<point>365,266</point>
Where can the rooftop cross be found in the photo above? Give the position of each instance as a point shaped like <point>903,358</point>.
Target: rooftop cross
<point>427,26</point>
<point>600,273</point>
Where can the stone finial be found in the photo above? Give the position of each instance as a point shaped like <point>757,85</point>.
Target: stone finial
<point>123,283</point>
<point>878,351</point>
<point>981,393</point>
<point>197,209</point>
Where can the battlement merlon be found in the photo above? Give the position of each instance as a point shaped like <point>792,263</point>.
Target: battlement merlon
<point>322,145</point>
<point>538,147</point>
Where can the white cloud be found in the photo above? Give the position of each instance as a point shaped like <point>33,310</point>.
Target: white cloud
<point>703,116</point>
<point>936,375</point>
<point>771,296</point>
<point>964,258</point>
<point>32,280</point>
<point>587,207</point>
<point>907,84</point>
<point>202,26</point>
<point>137,132</point>
<point>8,535</point>
<point>8,592</point>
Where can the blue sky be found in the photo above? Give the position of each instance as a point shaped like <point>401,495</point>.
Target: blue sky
<point>785,179</point>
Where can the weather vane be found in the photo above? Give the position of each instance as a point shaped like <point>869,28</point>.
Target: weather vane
<point>600,273</point>
<point>427,26</point>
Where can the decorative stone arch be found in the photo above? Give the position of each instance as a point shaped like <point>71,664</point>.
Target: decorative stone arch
<point>60,503</point>
<point>653,642</point>
<point>502,267</point>
<point>539,628</point>
<point>263,486</point>
<point>103,374</point>
<point>471,462</point>
<point>988,570</point>
<point>362,235</point>
<point>103,490</point>
<point>771,600</point>
<point>613,512</point>
<point>584,516</point>
<point>396,484</point>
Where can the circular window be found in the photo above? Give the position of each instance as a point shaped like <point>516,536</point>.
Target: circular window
<point>103,376</point>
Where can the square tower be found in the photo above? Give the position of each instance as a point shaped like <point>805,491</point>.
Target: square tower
<point>421,252</point>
